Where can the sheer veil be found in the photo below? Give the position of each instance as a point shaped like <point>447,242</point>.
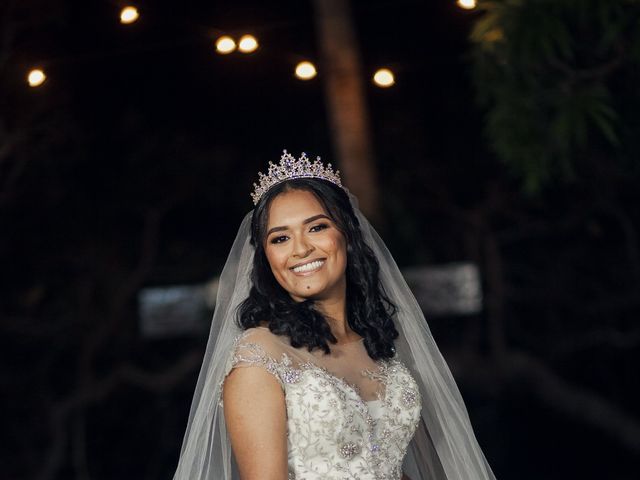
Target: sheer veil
<point>444,446</point>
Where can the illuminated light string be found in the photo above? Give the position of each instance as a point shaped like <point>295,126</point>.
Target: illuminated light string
<point>383,77</point>
<point>305,70</point>
<point>467,4</point>
<point>225,45</point>
<point>36,77</point>
<point>129,15</point>
<point>246,44</point>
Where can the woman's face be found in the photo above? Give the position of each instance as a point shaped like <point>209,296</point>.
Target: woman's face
<point>306,252</point>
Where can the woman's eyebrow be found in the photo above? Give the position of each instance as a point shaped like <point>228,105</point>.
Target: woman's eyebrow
<point>304,222</point>
<point>314,218</point>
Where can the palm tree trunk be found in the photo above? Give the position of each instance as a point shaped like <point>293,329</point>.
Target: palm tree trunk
<point>344,94</point>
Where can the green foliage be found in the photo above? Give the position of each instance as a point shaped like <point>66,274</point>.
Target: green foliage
<point>547,73</point>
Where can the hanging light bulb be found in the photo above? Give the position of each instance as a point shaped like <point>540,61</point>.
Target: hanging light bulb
<point>248,44</point>
<point>36,77</point>
<point>129,15</point>
<point>467,4</point>
<point>306,70</point>
<point>225,44</point>
<point>384,78</point>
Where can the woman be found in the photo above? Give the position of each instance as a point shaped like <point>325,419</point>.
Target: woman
<point>333,372</point>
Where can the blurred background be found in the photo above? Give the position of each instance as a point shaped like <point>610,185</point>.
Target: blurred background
<point>498,155</point>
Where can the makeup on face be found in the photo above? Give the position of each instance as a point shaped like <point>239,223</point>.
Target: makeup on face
<point>305,250</point>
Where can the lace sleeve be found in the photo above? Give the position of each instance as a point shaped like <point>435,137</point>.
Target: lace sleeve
<point>255,348</point>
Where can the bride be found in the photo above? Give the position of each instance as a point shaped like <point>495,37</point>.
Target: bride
<point>320,364</point>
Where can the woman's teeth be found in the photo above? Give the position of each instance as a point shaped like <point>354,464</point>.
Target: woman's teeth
<point>307,267</point>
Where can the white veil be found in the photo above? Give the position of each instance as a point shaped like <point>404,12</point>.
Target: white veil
<point>444,446</point>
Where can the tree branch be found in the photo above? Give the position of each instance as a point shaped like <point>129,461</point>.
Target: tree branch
<point>566,398</point>
<point>60,411</point>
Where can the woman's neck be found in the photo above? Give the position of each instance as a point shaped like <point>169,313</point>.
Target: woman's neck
<point>335,311</point>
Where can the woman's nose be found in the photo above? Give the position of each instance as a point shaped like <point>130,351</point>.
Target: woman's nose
<point>301,248</point>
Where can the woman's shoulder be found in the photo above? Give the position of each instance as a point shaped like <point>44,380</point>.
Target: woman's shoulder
<point>258,346</point>
<point>260,334</point>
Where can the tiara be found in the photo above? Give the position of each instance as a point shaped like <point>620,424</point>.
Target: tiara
<point>290,168</point>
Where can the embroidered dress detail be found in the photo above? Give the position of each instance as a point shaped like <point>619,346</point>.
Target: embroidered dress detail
<point>353,423</point>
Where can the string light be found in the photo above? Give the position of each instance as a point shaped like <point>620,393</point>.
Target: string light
<point>36,77</point>
<point>129,15</point>
<point>225,44</point>
<point>306,70</point>
<point>384,78</point>
<point>247,44</point>
<point>467,4</point>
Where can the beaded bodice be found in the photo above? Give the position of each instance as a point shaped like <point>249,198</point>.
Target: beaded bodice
<point>348,417</point>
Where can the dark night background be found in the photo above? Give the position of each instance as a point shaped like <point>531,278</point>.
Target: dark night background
<point>510,140</point>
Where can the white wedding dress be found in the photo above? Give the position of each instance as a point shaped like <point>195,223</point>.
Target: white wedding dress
<point>348,417</point>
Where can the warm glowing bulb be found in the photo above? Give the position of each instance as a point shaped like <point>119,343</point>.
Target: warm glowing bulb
<point>225,44</point>
<point>129,15</point>
<point>384,77</point>
<point>467,4</point>
<point>247,44</point>
<point>306,70</point>
<point>36,77</point>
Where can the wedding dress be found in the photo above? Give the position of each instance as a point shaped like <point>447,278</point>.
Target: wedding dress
<point>348,417</point>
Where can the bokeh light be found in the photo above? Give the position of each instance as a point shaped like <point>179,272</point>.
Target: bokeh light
<point>467,4</point>
<point>36,77</point>
<point>306,70</point>
<point>247,44</point>
<point>129,15</point>
<point>384,78</point>
<point>225,44</point>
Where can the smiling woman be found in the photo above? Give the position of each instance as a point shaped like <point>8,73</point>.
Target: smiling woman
<point>309,254</point>
<point>320,354</point>
<point>306,251</point>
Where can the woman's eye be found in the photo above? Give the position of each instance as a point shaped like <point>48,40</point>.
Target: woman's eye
<point>279,239</point>
<point>317,228</point>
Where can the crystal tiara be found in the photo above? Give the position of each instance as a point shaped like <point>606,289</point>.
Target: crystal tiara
<point>290,168</point>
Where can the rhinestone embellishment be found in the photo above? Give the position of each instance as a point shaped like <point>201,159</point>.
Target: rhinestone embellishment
<point>348,450</point>
<point>291,375</point>
<point>409,397</point>
<point>290,168</point>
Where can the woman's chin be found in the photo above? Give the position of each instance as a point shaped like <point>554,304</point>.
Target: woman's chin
<point>304,295</point>
<point>307,292</point>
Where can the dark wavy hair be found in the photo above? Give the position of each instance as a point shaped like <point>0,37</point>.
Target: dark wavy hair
<point>369,310</point>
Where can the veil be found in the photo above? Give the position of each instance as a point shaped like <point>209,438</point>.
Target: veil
<point>444,446</point>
